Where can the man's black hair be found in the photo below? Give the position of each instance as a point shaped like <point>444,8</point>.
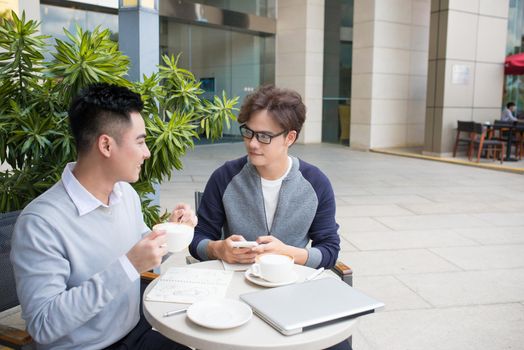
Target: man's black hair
<point>101,108</point>
<point>510,104</point>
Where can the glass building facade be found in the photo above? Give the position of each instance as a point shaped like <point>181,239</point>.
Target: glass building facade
<point>223,59</point>
<point>57,18</point>
<point>514,84</point>
<point>338,46</point>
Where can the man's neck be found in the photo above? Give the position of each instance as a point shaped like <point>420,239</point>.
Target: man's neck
<point>274,171</point>
<point>92,177</point>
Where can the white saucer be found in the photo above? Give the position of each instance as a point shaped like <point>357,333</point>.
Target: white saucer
<point>219,313</point>
<point>262,282</point>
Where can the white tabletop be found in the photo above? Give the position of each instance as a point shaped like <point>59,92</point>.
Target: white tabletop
<point>254,335</point>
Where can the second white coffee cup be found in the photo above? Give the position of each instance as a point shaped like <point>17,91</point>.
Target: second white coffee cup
<point>178,235</point>
<point>274,268</point>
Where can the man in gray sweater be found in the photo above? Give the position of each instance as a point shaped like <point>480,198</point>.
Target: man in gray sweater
<point>78,249</point>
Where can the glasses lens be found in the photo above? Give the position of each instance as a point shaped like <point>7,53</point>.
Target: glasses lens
<point>264,138</point>
<point>246,132</point>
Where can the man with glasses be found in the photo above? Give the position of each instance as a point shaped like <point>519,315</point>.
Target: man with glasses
<point>279,201</point>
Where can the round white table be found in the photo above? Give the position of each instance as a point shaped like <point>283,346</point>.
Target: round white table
<point>256,334</point>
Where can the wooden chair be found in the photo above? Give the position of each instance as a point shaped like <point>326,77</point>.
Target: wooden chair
<point>12,337</point>
<point>464,127</point>
<point>480,141</point>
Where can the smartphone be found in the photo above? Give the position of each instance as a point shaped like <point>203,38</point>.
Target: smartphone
<point>244,244</point>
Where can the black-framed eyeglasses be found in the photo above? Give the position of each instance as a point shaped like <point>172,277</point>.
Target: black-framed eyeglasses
<point>262,137</point>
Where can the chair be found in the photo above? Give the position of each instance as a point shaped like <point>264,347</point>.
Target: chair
<point>503,130</point>
<point>344,118</point>
<point>9,336</point>
<point>467,128</point>
<point>480,141</point>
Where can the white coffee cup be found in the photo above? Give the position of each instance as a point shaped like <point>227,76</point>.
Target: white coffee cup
<point>178,235</point>
<point>274,268</point>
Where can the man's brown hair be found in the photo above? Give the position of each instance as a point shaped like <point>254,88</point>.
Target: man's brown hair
<point>285,106</point>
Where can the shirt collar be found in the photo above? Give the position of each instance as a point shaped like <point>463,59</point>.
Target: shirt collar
<point>84,201</point>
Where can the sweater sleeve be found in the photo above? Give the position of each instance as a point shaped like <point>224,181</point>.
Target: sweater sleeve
<point>50,308</point>
<point>325,241</point>
<point>211,218</point>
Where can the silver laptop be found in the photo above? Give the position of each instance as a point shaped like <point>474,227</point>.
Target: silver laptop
<point>294,308</point>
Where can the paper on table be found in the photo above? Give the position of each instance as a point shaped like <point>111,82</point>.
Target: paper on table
<point>235,267</point>
<point>188,285</point>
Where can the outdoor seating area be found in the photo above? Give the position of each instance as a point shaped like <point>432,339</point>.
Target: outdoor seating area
<point>435,241</point>
<point>501,140</point>
<point>441,245</point>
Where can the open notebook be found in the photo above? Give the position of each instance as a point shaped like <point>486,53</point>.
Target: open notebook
<point>188,285</point>
<point>292,309</point>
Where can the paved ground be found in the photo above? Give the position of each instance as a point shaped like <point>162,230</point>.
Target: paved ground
<point>441,244</point>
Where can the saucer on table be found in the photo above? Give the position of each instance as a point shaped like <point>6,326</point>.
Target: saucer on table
<point>262,282</point>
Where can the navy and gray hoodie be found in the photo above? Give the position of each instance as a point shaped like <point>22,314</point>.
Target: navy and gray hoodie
<point>233,203</point>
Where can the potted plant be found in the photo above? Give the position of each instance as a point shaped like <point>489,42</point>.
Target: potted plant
<point>35,141</point>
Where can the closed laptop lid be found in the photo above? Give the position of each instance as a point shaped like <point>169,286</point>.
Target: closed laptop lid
<point>292,308</point>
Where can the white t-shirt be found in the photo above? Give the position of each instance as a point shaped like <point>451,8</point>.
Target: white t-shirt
<point>270,191</point>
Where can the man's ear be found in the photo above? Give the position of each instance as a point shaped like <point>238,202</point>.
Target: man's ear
<point>291,137</point>
<point>105,145</point>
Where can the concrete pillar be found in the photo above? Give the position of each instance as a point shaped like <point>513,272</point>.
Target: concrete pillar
<point>465,75</point>
<point>138,38</point>
<point>300,58</point>
<point>390,55</point>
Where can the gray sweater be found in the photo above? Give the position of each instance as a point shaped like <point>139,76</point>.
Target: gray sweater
<point>74,292</point>
<point>233,201</point>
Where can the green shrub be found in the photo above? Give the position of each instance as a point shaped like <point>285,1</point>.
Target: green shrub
<point>34,97</point>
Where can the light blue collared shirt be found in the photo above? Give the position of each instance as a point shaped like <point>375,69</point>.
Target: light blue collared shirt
<point>85,203</point>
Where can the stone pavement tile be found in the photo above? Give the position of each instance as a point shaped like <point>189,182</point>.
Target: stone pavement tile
<point>494,235</point>
<point>429,182</point>
<point>179,178</point>
<point>451,208</point>
<point>201,179</point>
<point>400,189</point>
<point>434,221</point>
<point>349,191</point>
<point>484,257</point>
<point>391,292</point>
<point>346,246</point>
<point>392,262</point>
<point>502,219</point>
<point>511,206</point>
<point>468,287</point>
<point>407,239</point>
<point>371,210</point>
<point>512,191</point>
<point>381,199</point>
<point>478,197</point>
<point>482,327</point>
<point>349,225</point>
<point>358,340</point>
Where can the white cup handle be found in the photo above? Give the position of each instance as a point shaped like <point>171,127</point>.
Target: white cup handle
<point>255,270</point>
